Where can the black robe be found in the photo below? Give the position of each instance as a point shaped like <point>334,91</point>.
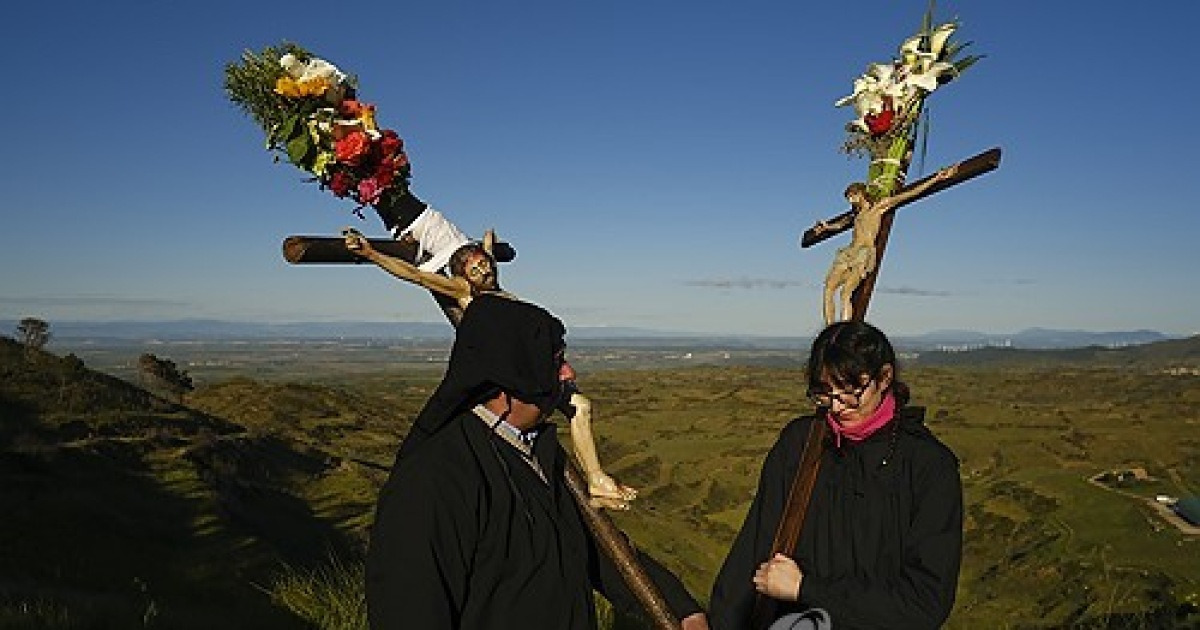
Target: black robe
<point>881,544</point>
<point>468,535</point>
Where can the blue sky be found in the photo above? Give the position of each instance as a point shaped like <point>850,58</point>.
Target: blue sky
<point>653,162</point>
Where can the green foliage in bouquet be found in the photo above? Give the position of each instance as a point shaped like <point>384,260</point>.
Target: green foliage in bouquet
<point>309,112</point>
<point>251,83</point>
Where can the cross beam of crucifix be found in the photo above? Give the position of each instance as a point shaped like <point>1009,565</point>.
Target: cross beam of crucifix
<point>611,540</point>
<point>856,266</point>
<point>967,169</point>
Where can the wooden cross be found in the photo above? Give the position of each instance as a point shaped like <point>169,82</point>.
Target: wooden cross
<point>609,538</point>
<point>963,171</point>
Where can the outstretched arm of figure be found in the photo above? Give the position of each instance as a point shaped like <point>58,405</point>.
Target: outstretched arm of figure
<point>887,204</point>
<point>605,491</point>
<point>455,288</point>
<point>837,224</point>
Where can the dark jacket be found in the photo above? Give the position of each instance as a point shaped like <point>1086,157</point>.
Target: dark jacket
<point>467,535</point>
<point>881,543</point>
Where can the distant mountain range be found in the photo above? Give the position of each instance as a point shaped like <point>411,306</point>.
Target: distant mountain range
<point>1030,339</point>
<point>215,330</point>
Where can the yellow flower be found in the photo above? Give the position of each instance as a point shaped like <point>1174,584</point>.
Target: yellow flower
<point>314,87</point>
<point>287,86</point>
<point>293,88</point>
<point>367,116</point>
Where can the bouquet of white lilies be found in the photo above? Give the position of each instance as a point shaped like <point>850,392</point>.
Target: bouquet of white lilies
<point>889,98</point>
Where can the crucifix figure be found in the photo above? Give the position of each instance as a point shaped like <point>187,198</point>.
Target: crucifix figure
<point>473,271</point>
<point>856,261</point>
<point>856,265</point>
<point>310,112</point>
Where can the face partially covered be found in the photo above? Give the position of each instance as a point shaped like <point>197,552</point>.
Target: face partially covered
<point>566,376</point>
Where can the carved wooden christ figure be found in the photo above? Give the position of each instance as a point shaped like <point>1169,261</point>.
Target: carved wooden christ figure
<point>857,260</point>
<point>472,271</point>
<point>855,266</point>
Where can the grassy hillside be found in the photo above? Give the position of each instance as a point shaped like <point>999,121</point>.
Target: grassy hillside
<point>130,511</point>
<point>141,512</point>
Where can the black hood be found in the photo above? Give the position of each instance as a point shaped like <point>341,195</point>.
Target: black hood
<point>501,344</point>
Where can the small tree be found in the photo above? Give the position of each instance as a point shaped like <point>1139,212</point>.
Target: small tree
<point>33,333</point>
<point>164,374</point>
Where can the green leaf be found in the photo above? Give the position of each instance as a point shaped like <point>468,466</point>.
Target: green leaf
<point>300,149</point>
<point>952,49</point>
<point>287,130</point>
<point>961,65</point>
<point>320,165</point>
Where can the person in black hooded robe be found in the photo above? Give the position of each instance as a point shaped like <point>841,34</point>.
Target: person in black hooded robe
<point>881,543</point>
<point>475,527</point>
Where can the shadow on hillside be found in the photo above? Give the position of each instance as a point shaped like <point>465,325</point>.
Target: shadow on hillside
<point>1167,615</point>
<point>117,525</point>
<point>17,419</point>
<point>249,477</point>
<point>105,546</point>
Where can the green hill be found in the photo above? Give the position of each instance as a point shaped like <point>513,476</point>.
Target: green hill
<point>130,511</point>
<point>1158,355</point>
<point>133,511</point>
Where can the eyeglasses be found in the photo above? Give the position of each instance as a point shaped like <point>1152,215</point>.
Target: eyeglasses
<point>849,400</point>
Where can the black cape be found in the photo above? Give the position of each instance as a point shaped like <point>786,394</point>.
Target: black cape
<point>881,544</point>
<point>468,535</point>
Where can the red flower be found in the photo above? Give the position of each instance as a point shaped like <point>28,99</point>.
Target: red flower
<point>350,108</point>
<point>369,190</point>
<point>880,123</point>
<point>352,148</point>
<point>340,183</point>
<point>385,174</point>
<point>390,143</point>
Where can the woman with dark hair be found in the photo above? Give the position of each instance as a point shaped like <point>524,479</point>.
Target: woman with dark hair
<point>882,540</point>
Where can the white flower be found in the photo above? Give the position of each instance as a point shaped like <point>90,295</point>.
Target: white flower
<point>910,50</point>
<point>315,69</point>
<point>927,78</point>
<point>321,69</point>
<point>874,89</point>
<point>921,51</point>
<point>898,86</point>
<point>939,37</point>
<point>291,65</point>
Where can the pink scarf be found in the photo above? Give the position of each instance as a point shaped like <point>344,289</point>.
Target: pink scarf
<point>864,430</point>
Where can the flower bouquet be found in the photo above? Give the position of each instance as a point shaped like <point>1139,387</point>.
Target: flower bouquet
<point>310,113</point>
<point>889,98</point>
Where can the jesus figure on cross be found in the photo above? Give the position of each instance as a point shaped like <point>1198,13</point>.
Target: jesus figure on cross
<point>469,270</point>
<point>857,260</point>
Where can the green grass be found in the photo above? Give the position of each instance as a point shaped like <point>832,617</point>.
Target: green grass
<point>329,597</point>
<point>129,506</point>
